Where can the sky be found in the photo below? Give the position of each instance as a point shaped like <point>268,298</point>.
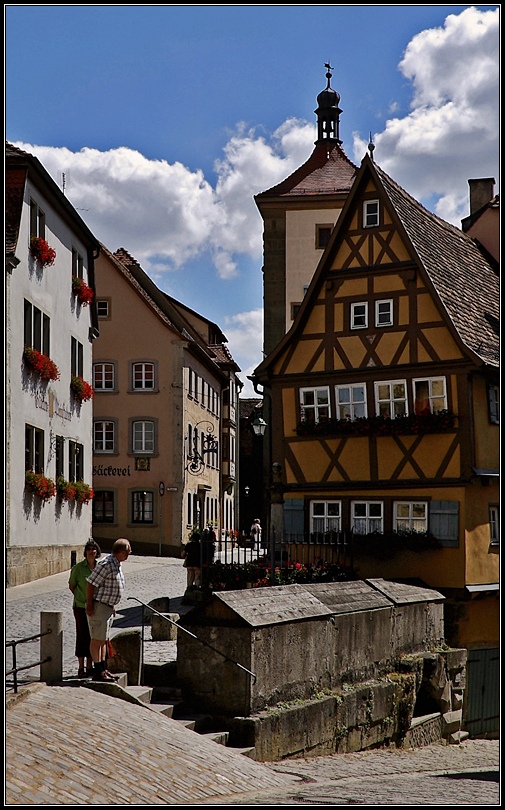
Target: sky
<point>166,120</point>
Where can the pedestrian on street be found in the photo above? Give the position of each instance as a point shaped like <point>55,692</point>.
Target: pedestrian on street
<point>105,586</point>
<point>192,554</point>
<point>255,533</point>
<point>78,585</point>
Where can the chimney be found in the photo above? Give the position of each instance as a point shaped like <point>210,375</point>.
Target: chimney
<point>481,192</point>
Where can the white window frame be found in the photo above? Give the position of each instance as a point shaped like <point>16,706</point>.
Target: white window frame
<point>107,372</point>
<point>433,398</point>
<point>104,432</point>
<point>494,525</point>
<point>103,308</point>
<point>359,320</point>
<point>352,403</point>
<point>315,408</point>
<point>143,436</point>
<point>410,521</point>
<point>325,522</point>
<point>368,522</point>
<point>141,380</point>
<point>371,212</point>
<point>380,317</point>
<point>393,400</point>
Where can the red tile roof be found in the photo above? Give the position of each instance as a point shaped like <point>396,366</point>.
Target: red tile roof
<point>327,171</point>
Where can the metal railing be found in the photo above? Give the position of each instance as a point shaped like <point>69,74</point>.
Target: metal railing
<point>188,632</point>
<point>15,669</point>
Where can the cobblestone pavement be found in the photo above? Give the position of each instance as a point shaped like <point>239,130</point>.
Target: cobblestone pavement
<point>465,774</point>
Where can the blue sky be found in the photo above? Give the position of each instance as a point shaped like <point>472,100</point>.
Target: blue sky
<point>166,120</point>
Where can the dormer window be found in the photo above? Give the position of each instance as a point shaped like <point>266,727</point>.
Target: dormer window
<point>370,213</point>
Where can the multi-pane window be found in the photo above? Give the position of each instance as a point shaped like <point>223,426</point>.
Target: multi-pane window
<point>325,516</point>
<point>103,507</point>
<point>76,358</point>
<point>410,516</point>
<point>370,213</point>
<point>494,525</point>
<point>366,517</point>
<point>359,315</point>
<point>142,507</point>
<point>323,233</point>
<point>75,461</point>
<point>103,308</point>
<point>314,404</point>
<point>77,264</point>
<point>351,401</point>
<point>36,328</point>
<point>143,376</point>
<point>103,376</point>
<point>143,436</point>
<point>37,221</point>
<point>103,437</point>
<point>34,449</point>
<point>384,313</point>
<point>429,395</point>
<point>391,398</point>
<point>59,445</point>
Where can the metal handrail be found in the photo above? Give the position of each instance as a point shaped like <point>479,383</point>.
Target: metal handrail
<point>205,643</point>
<point>15,669</point>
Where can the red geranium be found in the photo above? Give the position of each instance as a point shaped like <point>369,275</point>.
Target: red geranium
<point>41,364</point>
<point>43,487</point>
<point>81,389</point>
<point>83,292</point>
<point>41,251</point>
<point>83,492</point>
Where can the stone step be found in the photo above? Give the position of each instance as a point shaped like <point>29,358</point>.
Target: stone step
<point>166,707</point>
<point>196,722</point>
<point>246,752</point>
<point>142,693</point>
<point>219,737</point>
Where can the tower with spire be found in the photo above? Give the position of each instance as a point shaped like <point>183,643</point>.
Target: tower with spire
<point>298,216</point>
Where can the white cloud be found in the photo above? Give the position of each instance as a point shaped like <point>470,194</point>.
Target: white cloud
<point>245,335</point>
<point>451,133</point>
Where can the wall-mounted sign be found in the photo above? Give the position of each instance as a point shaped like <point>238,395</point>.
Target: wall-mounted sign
<point>143,464</point>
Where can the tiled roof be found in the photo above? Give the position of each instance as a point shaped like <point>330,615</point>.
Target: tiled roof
<point>223,355</point>
<point>465,281</point>
<point>327,171</point>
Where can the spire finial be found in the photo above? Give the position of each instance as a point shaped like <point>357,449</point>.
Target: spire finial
<point>371,147</point>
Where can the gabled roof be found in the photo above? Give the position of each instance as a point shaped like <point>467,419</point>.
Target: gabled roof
<point>327,171</point>
<point>462,279</point>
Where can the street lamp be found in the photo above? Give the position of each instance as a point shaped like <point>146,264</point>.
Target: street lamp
<point>259,426</point>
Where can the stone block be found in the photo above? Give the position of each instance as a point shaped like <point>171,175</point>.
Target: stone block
<point>162,629</point>
<point>451,722</point>
<point>127,652</point>
<point>457,699</point>
<point>161,604</point>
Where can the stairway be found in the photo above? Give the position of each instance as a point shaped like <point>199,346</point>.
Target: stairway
<point>167,700</point>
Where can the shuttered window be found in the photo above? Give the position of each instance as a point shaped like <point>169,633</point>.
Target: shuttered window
<point>444,522</point>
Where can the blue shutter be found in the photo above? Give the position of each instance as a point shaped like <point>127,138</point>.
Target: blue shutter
<point>444,522</point>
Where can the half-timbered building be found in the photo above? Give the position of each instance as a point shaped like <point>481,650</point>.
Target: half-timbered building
<point>384,397</point>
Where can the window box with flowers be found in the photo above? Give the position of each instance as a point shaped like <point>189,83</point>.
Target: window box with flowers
<point>440,422</point>
<point>39,485</point>
<point>83,492</point>
<point>81,389</point>
<point>41,364</point>
<point>41,251</point>
<point>82,291</point>
<point>66,489</point>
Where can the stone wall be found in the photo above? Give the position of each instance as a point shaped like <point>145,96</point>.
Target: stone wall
<point>29,563</point>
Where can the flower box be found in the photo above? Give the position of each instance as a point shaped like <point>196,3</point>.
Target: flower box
<point>43,487</point>
<point>439,422</point>
<point>81,389</point>
<point>65,489</point>
<point>83,492</point>
<point>40,364</point>
<point>82,291</point>
<point>41,251</point>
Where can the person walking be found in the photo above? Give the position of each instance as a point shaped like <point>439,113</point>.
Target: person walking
<point>192,554</point>
<point>255,533</point>
<point>77,584</point>
<point>105,586</point>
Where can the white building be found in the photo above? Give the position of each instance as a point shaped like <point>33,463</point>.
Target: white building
<point>48,428</point>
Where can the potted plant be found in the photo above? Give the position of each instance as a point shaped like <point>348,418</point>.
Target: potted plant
<point>81,389</point>
<point>41,251</point>
<point>83,291</point>
<point>41,364</point>
<point>43,487</point>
